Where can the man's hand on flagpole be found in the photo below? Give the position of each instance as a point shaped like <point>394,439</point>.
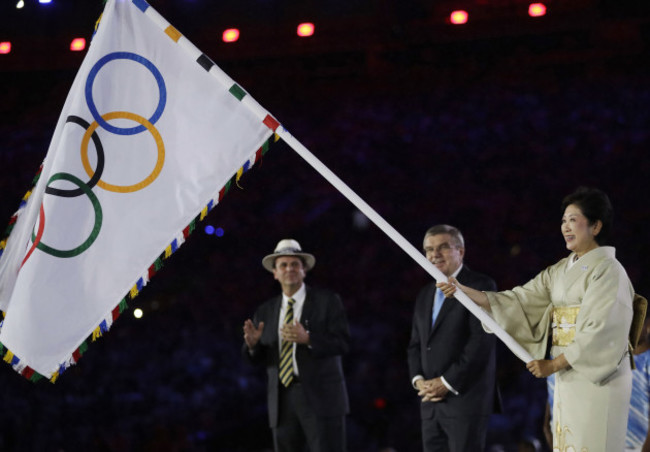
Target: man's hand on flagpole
<point>449,289</point>
<point>251,334</point>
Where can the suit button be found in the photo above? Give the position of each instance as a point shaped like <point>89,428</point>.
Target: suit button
<point>428,349</point>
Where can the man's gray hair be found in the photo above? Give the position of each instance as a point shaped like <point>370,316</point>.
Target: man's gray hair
<point>454,232</point>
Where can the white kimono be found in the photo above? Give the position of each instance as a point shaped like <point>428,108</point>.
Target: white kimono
<point>592,301</point>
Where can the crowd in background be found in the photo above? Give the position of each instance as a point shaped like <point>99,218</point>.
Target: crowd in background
<point>491,151</point>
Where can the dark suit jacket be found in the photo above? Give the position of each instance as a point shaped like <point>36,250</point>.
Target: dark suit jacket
<point>457,348</point>
<point>319,365</point>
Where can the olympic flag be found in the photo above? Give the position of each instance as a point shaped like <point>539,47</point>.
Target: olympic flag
<point>148,139</point>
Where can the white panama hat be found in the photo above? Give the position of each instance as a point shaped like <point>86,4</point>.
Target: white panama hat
<point>288,247</point>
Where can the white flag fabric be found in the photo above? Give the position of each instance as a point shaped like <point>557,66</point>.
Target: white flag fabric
<point>150,136</point>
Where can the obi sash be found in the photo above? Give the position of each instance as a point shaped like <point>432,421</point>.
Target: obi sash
<point>563,324</point>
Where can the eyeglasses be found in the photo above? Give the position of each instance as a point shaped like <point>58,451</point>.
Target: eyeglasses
<point>442,248</point>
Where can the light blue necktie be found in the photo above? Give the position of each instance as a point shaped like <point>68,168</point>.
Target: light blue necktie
<point>437,304</point>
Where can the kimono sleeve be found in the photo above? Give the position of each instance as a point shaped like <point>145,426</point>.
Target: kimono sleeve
<point>525,312</point>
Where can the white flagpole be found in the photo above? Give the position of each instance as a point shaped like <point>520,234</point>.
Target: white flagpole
<point>391,232</point>
<point>332,178</point>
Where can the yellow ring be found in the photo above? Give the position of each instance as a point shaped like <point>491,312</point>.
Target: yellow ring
<point>156,136</point>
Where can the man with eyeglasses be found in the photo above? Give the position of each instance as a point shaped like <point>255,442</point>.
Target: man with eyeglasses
<point>451,358</point>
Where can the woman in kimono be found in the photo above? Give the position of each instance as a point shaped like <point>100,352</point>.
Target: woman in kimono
<point>585,301</point>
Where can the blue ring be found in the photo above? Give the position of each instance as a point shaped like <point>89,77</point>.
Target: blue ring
<point>138,59</point>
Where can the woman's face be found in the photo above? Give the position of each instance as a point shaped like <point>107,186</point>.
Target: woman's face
<point>578,234</point>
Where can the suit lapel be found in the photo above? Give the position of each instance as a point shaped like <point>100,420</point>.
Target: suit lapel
<point>276,321</point>
<point>430,297</point>
<point>307,309</point>
<point>447,305</point>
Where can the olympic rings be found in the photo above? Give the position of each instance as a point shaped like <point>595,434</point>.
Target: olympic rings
<point>93,234</point>
<point>144,123</point>
<point>96,174</point>
<point>138,59</point>
<point>100,163</point>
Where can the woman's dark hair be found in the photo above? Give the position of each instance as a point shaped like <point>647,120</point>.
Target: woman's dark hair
<point>595,205</point>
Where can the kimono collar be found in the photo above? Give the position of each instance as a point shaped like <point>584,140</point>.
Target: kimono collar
<point>588,261</point>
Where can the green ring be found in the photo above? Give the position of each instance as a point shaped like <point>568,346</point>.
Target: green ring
<point>98,219</point>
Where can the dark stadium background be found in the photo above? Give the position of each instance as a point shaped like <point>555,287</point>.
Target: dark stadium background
<point>485,126</point>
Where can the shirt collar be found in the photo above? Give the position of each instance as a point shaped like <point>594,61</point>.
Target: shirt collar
<point>299,296</point>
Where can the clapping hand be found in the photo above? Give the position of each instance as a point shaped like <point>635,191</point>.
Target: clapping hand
<point>251,333</point>
<point>295,332</point>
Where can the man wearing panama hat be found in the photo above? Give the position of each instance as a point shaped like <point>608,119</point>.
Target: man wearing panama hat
<point>300,336</point>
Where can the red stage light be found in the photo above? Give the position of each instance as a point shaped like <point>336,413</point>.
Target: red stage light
<point>78,44</point>
<point>458,17</point>
<point>537,10</point>
<point>305,29</point>
<point>230,35</point>
<point>5,47</point>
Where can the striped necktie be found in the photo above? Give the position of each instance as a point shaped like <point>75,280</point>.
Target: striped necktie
<point>286,352</point>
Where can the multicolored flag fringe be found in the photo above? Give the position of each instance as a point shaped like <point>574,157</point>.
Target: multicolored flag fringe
<point>151,137</point>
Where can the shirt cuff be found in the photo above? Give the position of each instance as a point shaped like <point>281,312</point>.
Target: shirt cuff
<point>415,380</point>
<point>448,386</point>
